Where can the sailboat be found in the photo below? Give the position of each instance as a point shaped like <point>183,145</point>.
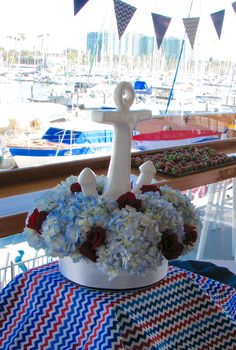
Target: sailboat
<point>61,142</point>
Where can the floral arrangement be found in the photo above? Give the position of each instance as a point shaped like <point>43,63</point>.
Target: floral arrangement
<point>133,233</point>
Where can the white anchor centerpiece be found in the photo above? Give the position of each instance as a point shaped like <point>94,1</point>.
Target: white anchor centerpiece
<point>123,121</point>
<point>118,182</point>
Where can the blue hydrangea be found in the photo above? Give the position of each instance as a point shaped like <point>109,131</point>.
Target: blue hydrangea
<point>132,237</point>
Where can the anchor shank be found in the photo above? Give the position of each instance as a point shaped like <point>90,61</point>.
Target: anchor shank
<point>120,165</point>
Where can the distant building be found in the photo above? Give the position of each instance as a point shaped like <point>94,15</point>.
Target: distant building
<point>94,44</point>
<point>136,45</point>
<point>171,48</point>
<point>114,43</point>
<point>127,44</point>
<point>106,44</point>
<point>146,45</point>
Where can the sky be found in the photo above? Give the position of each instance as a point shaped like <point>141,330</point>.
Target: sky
<point>56,17</point>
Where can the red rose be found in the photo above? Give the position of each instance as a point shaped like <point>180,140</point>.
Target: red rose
<point>190,234</point>
<point>75,187</point>
<point>36,219</point>
<point>85,250</point>
<point>95,237</point>
<point>149,188</point>
<point>170,246</point>
<point>129,198</point>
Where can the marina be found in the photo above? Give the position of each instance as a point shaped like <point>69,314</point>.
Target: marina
<point>28,106</point>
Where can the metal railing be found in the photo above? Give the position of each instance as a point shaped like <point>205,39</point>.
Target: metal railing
<point>8,272</point>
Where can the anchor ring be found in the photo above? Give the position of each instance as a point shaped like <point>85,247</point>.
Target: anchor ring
<point>124,96</point>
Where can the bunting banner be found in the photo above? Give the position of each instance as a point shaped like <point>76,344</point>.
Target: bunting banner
<point>124,12</point>
<point>191,25</point>
<point>218,19</point>
<point>234,6</point>
<point>161,24</point>
<point>78,4</point>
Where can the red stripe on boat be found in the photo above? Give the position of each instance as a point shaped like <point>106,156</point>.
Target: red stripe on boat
<point>174,135</point>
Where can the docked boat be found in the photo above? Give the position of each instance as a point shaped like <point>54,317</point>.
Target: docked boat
<point>172,138</point>
<point>63,142</point>
<point>140,87</point>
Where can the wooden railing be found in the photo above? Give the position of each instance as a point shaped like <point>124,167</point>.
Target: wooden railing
<point>23,181</point>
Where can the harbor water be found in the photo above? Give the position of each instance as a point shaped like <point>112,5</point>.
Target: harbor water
<point>22,91</point>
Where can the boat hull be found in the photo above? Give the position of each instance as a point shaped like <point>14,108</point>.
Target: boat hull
<point>27,158</point>
<point>172,138</point>
<point>60,144</point>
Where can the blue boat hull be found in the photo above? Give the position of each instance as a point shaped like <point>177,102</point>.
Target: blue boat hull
<point>24,152</point>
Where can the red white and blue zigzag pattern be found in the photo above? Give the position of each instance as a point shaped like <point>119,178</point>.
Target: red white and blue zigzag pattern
<point>42,310</point>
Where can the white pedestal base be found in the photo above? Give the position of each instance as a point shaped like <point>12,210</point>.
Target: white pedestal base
<point>87,274</point>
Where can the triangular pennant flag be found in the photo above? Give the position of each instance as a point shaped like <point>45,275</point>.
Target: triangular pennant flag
<point>218,18</point>
<point>234,6</point>
<point>161,23</point>
<point>78,4</point>
<point>124,12</point>
<point>191,25</point>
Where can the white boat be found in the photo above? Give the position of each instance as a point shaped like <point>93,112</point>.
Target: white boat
<point>62,142</point>
<point>172,138</point>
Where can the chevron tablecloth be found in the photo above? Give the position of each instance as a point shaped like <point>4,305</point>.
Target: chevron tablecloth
<point>40,309</point>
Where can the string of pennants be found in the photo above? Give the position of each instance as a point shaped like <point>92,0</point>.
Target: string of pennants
<point>124,13</point>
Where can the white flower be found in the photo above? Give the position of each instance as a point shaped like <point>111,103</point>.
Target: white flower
<point>34,239</point>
